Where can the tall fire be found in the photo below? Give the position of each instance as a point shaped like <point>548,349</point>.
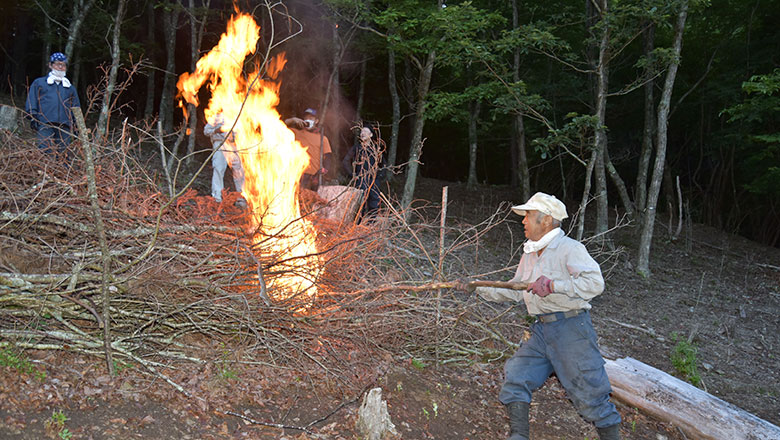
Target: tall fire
<point>273,160</point>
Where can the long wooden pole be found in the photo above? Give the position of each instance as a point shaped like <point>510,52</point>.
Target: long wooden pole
<point>442,285</point>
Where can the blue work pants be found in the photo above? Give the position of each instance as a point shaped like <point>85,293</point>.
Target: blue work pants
<point>54,138</point>
<point>568,348</point>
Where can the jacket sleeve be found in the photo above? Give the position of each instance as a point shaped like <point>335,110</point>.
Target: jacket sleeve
<point>76,102</point>
<point>584,275</point>
<point>31,106</point>
<point>346,163</point>
<point>498,294</point>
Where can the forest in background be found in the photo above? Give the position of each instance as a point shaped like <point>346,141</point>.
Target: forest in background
<point>605,103</point>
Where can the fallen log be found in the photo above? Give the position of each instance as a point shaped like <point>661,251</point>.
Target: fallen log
<point>698,414</point>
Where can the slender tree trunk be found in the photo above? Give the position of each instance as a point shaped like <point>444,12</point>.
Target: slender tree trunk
<point>519,125</point>
<point>646,238</point>
<point>105,109</point>
<point>361,88</point>
<point>78,15</point>
<point>474,108</point>
<point>649,129</point>
<point>585,196</point>
<point>392,149</point>
<point>602,81</point>
<point>196,37</point>
<point>151,48</point>
<point>628,206</point>
<point>22,26</point>
<point>47,36</point>
<point>415,149</point>
<point>76,63</point>
<point>170,25</point>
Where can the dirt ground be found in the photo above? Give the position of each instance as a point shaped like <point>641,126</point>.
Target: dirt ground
<point>717,290</point>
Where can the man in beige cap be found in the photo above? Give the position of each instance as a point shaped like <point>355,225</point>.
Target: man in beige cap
<point>562,279</point>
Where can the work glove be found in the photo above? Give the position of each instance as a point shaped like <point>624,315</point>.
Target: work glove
<point>542,286</point>
<point>323,171</point>
<point>463,284</point>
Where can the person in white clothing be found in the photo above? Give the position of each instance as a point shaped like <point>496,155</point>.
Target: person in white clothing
<point>226,154</point>
<point>562,279</point>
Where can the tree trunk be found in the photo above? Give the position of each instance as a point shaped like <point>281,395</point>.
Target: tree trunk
<point>628,206</point>
<point>649,129</point>
<point>78,15</point>
<point>415,149</point>
<point>20,41</point>
<point>151,47</point>
<point>699,414</point>
<point>602,80</point>
<point>196,37</point>
<point>585,196</point>
<point>646,238</point>
<point>333,87</point>
<point>47,37</point>
<point>474,108</point>
<point>105,109</point>
<point>395,99</point>
<point>170,25</point>
<point>523,176</point>
<point>361,88</point>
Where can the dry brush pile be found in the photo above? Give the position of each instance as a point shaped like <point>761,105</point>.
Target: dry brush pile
<point>175,278</point>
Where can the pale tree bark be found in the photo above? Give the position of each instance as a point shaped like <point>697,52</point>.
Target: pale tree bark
<point>196,37</point>
<point>521,168</point>
<point>105,108</point>
<point>625,198</point>
<point>646,238</point>
<point>415,149</point>
<point>78,15</point>
<point>47,35</point>
<point>151,45</point>
<point>170,24</point>
<point>602,81</point>
<point>585,195</point>
<point>649,128</point>
<point>361,88</point>
<point>396,103</point>
<point>334,82</point>
<point>474,109</point>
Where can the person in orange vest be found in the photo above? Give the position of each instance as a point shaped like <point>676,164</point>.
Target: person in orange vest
<point>307,132</point>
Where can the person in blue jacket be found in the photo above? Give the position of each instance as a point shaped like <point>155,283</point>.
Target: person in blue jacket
<point>365,163</point>
<point>48,107</point>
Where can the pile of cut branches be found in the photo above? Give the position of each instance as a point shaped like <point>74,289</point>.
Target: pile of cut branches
<point>176,277</point>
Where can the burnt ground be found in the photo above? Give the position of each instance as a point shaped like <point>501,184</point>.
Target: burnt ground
<point>717,290</point>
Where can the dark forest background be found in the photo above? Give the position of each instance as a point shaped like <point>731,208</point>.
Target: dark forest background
<point>556,96</point>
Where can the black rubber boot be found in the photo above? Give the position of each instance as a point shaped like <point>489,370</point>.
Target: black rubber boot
<point>518,420</point>
<point>610,432</point>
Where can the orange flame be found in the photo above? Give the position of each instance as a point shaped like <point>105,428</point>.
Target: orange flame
<point>273,160</point>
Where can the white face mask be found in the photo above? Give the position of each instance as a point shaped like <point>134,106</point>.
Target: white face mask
<point>309,123</point>
<point>58,73</point>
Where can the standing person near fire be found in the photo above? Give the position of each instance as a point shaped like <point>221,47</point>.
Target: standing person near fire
<point>48,107</point>
<point>225,154</point>
<point>562,279</point>
<point>364,162</point>
<point>307,132</point>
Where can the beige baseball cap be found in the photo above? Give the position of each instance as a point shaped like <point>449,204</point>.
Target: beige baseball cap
<point>543,203</point>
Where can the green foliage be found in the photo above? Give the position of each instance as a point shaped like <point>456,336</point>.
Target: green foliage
<point>416,363</point>
<point>120,366</point>
<point>684,360</point>
<point>576,134</point>
<point>760,146</point>
<point>17,361</point>
<point>56,425</point>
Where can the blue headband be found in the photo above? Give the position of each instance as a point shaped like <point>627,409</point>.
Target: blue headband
<point>58,56</point>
